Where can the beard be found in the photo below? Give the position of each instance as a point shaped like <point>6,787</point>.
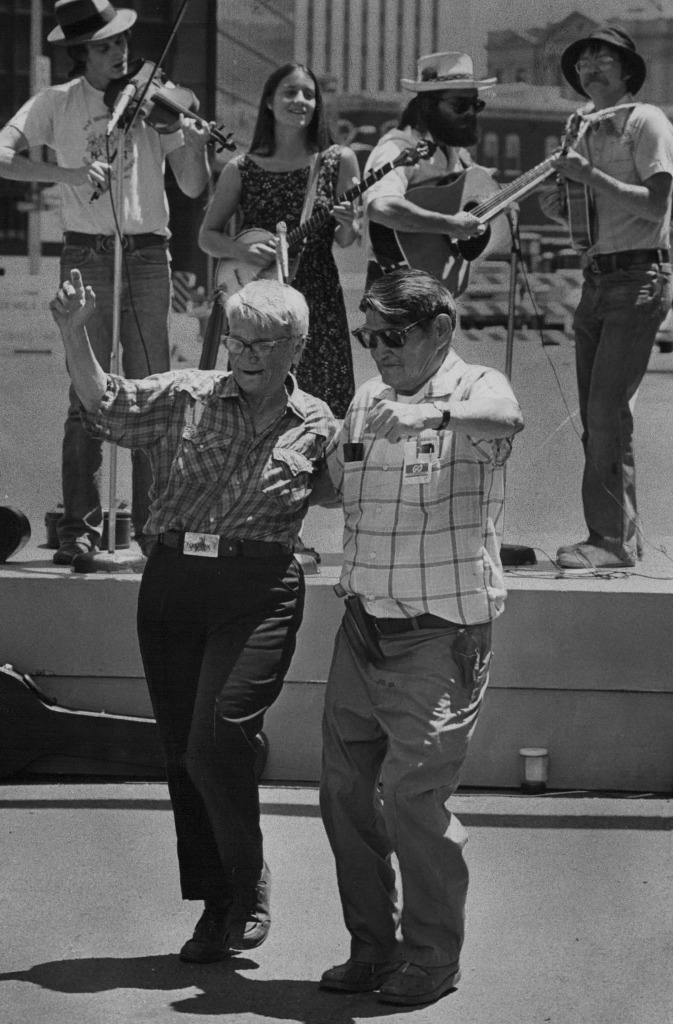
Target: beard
<point>452,130</point>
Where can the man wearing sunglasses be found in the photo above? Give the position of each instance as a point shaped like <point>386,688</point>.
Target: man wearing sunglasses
<point>234,457</point>
<point>420,469</point>
<point>625,160</point>
<point>444,110</point>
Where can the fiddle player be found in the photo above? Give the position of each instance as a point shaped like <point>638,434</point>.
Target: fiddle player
<point>626,161</point>
<point>72,120</point>
<point>444,110</point>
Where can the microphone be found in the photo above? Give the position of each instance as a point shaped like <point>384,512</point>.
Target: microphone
<point>123,100</point>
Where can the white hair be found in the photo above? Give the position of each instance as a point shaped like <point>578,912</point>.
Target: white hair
<point>267,303</point>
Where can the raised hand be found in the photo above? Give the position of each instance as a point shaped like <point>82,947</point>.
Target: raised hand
<point>73,303</point>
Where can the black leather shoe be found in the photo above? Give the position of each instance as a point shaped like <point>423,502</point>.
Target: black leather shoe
<point>210,941</point>
<point>251,913</point>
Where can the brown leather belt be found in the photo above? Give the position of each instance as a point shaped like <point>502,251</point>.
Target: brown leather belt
<point>607,263</point>
<point>425,621</point>
<point>229,548</point>
<point>106,243</point>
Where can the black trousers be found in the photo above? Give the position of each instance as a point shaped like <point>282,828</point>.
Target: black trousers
<point>216,636</point>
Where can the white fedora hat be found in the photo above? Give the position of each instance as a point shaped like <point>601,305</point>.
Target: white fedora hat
<point>445,71</point>
<point>84,21</point>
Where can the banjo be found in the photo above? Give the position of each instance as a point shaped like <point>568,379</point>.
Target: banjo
<point>233,273</point>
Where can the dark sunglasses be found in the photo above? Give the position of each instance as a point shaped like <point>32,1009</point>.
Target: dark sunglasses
<point>461,104</point>
<point>393,337</point>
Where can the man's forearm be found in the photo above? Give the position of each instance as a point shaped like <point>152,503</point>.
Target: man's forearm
<point>15,167</point>
<point>86,373</point>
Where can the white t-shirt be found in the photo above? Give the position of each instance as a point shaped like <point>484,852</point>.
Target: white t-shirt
<point>72,119</point>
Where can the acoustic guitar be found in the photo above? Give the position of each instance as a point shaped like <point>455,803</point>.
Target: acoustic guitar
<point>473,190</point>
<point>233,273</point>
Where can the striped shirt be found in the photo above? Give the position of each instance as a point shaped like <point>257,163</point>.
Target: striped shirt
<point>212,472</point>
<point>411,548</point>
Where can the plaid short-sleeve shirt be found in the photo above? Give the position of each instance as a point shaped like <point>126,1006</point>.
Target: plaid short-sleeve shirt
<point>212,472</point>
<point>411,548</point>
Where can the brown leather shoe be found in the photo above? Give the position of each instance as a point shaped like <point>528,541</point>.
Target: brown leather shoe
<point>357,976</point>
<point>210,941</point>
<point>413,985</point>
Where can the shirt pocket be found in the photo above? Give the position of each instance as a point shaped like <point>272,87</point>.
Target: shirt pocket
<point>201,455</point>
<point>287,477</point>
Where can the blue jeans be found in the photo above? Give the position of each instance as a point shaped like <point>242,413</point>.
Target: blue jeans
<point>216,637</point>
<point>616,324</point>
<point>395,736</point>
<point>145,304</point>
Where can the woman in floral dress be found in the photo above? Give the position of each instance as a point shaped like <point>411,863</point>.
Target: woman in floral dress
<point>268,185</point>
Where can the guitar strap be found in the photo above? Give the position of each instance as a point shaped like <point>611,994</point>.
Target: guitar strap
<point>307,208</point>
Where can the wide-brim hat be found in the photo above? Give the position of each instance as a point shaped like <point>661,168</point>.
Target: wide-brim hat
<point>83,21</point>
<point>445,71</point>
<point>634,64</point>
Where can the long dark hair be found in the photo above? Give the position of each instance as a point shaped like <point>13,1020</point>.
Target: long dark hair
<point>264,136</point>
<point>415,114</point>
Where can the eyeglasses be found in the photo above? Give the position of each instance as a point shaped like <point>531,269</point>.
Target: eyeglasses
<point>588,63</point>
<point>262,347</point>
<point>391,336</point>
<point>461,104</point>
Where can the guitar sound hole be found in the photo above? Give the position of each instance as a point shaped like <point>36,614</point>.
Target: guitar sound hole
<point>470,248</point>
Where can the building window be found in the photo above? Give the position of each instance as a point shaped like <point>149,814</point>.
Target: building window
<point>551,143</point>
<point>491,149</point>
<point>512,154</point>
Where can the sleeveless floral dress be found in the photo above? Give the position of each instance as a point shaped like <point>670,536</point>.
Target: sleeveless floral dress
<point>326,368</point>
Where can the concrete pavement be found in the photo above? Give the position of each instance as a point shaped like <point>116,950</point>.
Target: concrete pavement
<point>570,914</point>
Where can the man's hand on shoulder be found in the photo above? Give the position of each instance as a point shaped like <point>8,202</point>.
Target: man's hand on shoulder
<point>397,420</point>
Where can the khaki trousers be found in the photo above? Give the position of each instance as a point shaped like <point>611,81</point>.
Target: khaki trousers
<point>395,737</point>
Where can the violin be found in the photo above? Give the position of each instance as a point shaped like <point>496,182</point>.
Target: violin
<point>161,103</point>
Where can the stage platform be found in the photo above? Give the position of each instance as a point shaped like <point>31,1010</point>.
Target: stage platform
<point>582,667</point>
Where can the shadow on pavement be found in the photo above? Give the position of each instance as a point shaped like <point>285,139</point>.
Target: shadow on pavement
<point>223,989</point>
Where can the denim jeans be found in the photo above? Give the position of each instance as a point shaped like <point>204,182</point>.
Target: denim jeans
<point>616,324</point>
<point>395,736</point>
<point>145,303</point>
<point>216,638</point>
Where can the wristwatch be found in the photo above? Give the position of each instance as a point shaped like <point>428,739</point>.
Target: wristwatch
<point>446,417</point>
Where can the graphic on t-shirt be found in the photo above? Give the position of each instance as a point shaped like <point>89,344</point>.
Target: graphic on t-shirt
<point>99,147</point>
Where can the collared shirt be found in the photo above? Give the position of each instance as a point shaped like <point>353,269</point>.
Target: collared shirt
<point>396,182</point>
<point>212,472</point>
<point>411,548</point>
<point>630,145</point>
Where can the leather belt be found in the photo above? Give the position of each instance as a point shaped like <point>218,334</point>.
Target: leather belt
<point>425,621</point>
<point>229,548</point>
<point>106,243</point>
<point>607,263</point>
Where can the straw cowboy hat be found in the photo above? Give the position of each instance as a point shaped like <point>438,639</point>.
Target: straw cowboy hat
<point>83,21</point>
<point>445,71</point>
<point>634,65</point>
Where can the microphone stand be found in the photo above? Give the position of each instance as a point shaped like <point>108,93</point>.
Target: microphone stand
<point>112,560</point>
<point>513,554</point>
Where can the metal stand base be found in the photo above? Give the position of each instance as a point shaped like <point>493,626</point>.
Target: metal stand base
<point>109,561</point>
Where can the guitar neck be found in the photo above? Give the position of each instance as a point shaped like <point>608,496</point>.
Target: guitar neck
<point>516,189</point>
<point>321,217</point>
